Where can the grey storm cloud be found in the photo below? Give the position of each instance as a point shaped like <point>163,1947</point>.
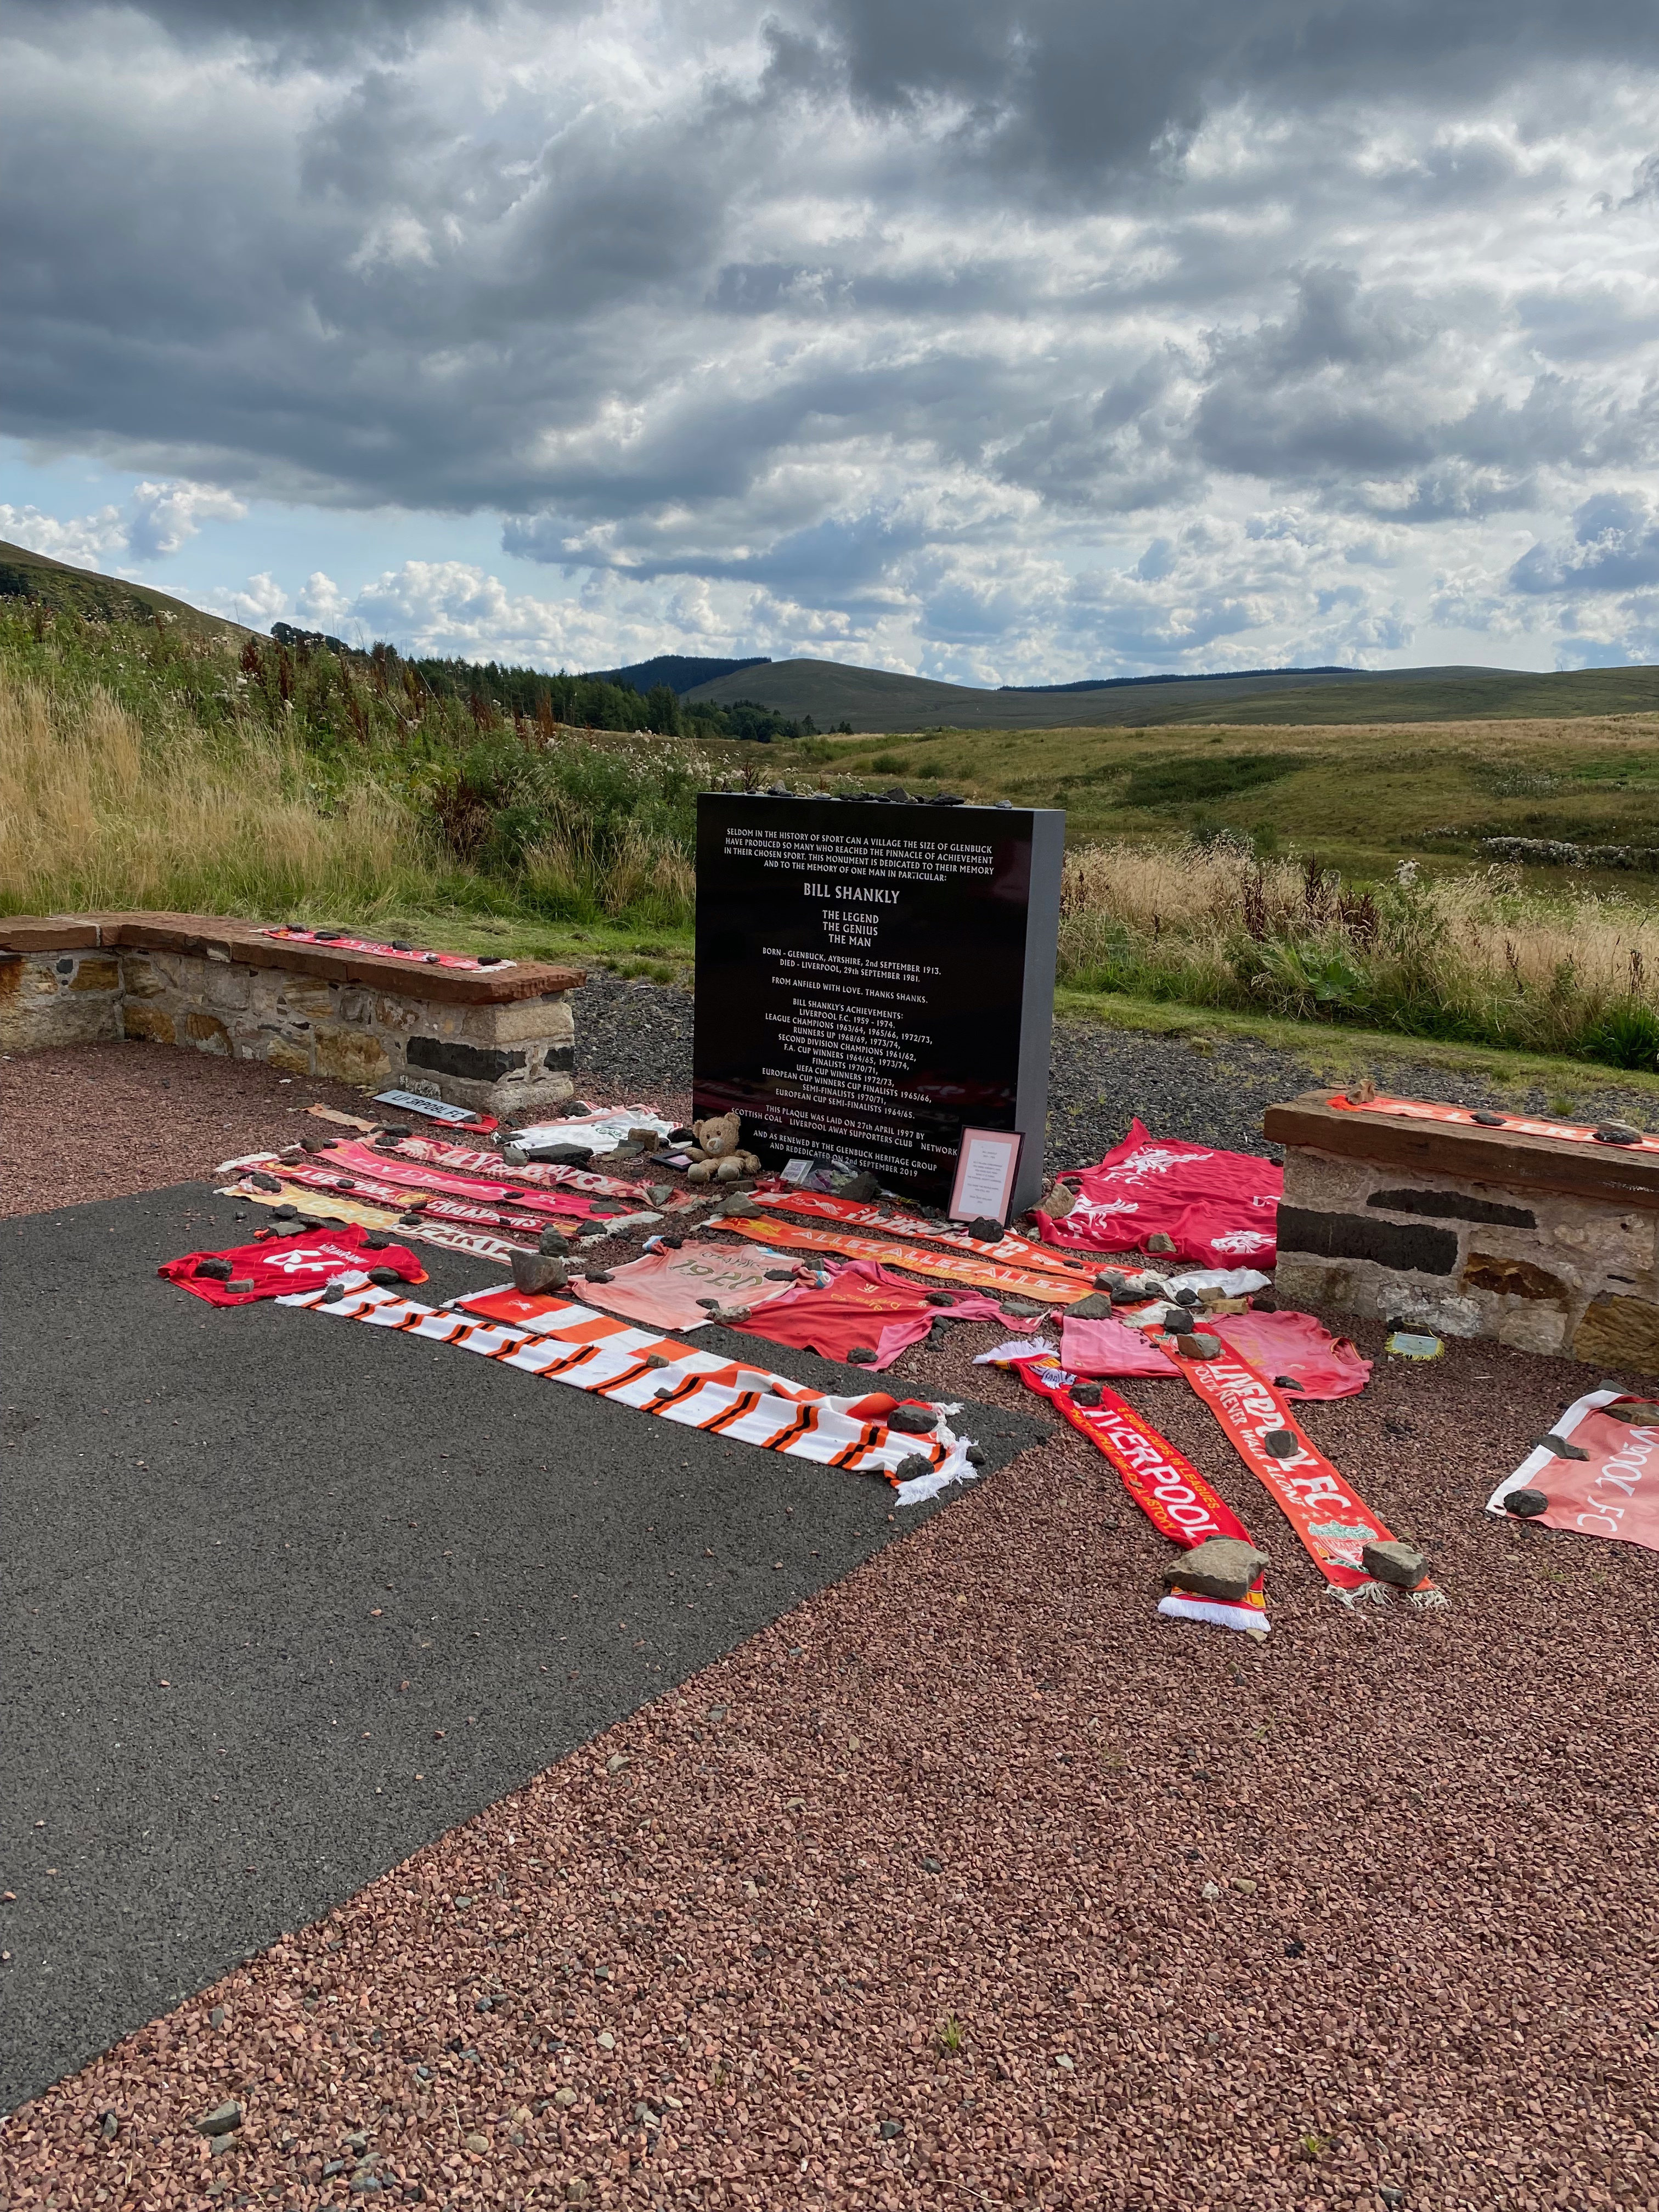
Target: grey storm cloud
<point>942,306</point>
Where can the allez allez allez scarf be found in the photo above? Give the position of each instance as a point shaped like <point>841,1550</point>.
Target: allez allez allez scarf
<point>984,1274</point>
<point>1017,1251</point>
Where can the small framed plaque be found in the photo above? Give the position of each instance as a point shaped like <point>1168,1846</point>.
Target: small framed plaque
<point>987,1166</point>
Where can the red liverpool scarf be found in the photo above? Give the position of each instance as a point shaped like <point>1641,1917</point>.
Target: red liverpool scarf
<point>1163,1482</point>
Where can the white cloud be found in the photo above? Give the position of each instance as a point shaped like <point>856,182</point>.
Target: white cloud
<point>260,603</point>
<point>168,515</point>
<point>159,518</point>
<point>86,541</point>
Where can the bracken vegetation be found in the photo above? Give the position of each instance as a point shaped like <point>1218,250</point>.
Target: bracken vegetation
<point>144,766</point>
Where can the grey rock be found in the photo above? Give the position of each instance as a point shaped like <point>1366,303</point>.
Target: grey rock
<point>1094,1307</point>
<point>780,1274</point>
<point>1396,1563</point>
<point>742,1209</point>
<point>1185,1297</point>
<point>940,1298</point>
<point>1525,1504</point>
<point>385,1277</point>
<point>599,1275</point>
<point>974,1455</point>
<point>861,1355</point>
<point>333,1294</point>
<point>553,1243</point>
<point>913,1420</point>
<point>1222,1568</point>
<point>1640,1413</point>
<point>215,1271</point>
<point>659,1193</point>
<point>983,1231</point>
<point>860,1188</point>
<point>891,2130</point>
<point>1194,1346</point>
<point>1280,1444</point>
<point>931,1865</point>
<point>1024,1309</point>
<point>1559,1446</point>
<point>222,2118</point>
<point>109,2127</point>
<point>913,1464</point>
<point>656,1359</point>
<point>534,1272</point>
<point>1086,1394</point>
<point>246,1283</point>
<point>1616,1132</point>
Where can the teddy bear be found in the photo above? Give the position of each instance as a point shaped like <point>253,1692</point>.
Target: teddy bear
<point>717,1156</point>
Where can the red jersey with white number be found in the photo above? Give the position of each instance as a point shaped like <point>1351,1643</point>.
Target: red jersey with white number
<point>305,1261</point>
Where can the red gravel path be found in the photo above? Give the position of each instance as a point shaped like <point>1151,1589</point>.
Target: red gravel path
<point>976,1791</point>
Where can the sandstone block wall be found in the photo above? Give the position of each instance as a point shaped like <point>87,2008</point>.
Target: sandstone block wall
<point>1570,1273</point>
<point>494,1056</point>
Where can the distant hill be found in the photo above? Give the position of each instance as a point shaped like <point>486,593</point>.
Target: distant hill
<point>1123,683</point>
<point>26,575</point>
<point>680,671</point>
<point>877,699</point>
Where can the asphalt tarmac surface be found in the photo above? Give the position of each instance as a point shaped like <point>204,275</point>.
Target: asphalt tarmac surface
<point>285,1600</point>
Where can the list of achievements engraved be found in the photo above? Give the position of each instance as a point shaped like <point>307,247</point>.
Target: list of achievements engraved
<point>872,978</point>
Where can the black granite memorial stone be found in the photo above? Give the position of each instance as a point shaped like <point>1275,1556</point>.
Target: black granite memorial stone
<point>871,981</point>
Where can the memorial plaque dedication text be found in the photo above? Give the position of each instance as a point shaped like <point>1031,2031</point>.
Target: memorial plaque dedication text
<point>869,976</point>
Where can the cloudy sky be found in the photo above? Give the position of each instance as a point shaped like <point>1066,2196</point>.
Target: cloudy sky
<point>999,340</point>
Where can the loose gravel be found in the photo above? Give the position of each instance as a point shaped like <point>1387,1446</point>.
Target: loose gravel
<point>970,1882</point>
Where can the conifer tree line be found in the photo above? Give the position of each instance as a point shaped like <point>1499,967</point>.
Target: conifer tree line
<point>592,703</point>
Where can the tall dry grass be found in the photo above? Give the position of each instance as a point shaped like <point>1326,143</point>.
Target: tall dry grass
<point>95,812</point>
<point>1470,957</point>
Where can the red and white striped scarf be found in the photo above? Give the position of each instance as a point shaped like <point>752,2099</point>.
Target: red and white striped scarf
<point>595,1352</point>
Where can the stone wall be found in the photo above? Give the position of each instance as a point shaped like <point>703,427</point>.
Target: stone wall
<point>476,1048</point>
<point>59,997</point>
<point>1568,1272</point>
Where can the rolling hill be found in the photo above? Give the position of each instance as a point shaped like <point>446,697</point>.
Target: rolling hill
<point>878,700</point>
<point>26,575</point>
